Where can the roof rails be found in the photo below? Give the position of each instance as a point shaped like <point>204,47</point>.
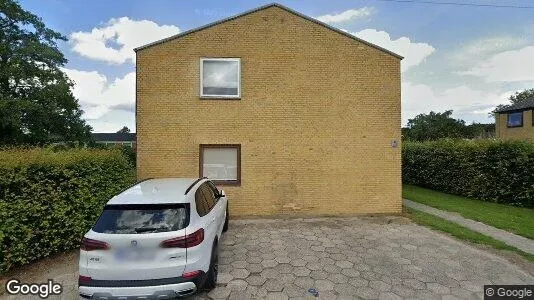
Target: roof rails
<point>193,184</point>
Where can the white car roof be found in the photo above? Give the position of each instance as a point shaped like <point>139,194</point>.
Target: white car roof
<point>156,191</point>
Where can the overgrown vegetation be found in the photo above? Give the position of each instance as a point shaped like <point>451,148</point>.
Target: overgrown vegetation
<point>518,220</point>
<point>435,125</point>
<point>494,171</point>
<point>462,232</point>
<point>49,199</point>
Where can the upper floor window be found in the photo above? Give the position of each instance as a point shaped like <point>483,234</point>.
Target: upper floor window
<point>515,119</point>
<point>220,77</point>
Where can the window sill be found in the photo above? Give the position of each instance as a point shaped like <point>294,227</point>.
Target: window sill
<point>219,98</point>
<point>517,126</point>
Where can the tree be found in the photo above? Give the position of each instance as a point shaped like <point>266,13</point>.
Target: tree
<point>517,97</point>
<point>434,126</point>
<point>36,102</point>
<point>124,130</point>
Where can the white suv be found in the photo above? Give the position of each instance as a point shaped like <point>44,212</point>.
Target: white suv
<point>156,240</point>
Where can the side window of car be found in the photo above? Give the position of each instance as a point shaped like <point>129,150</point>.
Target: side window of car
<point>209,195</point>
<point>200,202</point>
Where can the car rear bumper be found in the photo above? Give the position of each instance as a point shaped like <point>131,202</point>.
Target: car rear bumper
<point>167,291</point>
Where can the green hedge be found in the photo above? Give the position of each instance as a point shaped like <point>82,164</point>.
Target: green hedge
<point>489,170</point>
<point>48,199</point>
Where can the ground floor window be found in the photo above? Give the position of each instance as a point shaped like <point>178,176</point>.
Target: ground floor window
<point>221,163</point>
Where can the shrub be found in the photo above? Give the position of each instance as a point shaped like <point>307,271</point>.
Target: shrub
<point>49,199</point>
<point>489,170</point>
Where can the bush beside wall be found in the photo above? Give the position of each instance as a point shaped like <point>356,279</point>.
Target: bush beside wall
<point>48,199</point>
<point>489,170</point>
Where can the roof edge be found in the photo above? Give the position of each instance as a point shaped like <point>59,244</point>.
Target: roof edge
<point>262,8</point>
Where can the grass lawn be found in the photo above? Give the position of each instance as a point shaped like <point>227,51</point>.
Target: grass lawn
<point>513,219</point>
<point>461,232</point>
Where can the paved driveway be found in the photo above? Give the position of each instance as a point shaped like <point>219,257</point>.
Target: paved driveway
<point>348,258</point>
<point>370,258</point>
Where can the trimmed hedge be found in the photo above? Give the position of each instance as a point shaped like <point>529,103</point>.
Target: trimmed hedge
<point>489,170</point>
<point>48,199</point>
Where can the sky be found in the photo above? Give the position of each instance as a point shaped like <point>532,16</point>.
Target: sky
<point>464,58</point>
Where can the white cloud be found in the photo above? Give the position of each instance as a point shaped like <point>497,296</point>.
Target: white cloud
<point>114,42</point>
<point>483,47</point>
<point>507,66</point>
<point>98,95</point>
<point>347,15</point>
<point>414,53</point>
<point>467,103</point>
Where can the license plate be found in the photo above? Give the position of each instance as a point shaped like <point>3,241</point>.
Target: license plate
<point>130,255</point>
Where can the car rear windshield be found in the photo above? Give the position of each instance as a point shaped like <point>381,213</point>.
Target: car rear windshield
<point>142,218</point>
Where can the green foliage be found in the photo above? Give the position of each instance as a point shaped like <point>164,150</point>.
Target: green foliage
<point>435,126</point>
<point>49,199</point>
<point>489,170</point>
<point>36,103</point>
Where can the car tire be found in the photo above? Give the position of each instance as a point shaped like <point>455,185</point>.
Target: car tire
<point>211,276</point>
<point>225,227</point>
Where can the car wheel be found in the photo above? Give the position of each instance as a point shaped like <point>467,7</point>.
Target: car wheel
<point>211,279</point>
<point>225,227</point>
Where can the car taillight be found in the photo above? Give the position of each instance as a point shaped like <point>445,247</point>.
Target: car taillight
<point>187,241</point>
<point>190,275</point>
<point>90,245</point>
<point>84,279</point>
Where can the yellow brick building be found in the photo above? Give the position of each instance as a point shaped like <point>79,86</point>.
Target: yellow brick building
<point>291,116</point>
<point>516,121</point>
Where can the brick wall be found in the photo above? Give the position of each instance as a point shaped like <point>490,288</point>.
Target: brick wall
<point>316,120</point>
<point>518,133</point>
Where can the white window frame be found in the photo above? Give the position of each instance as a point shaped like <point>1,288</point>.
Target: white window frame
<point>238,60</point>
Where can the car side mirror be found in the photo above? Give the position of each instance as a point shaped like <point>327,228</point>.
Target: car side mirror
<point>221,194</point>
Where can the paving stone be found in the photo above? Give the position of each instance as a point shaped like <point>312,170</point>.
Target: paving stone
<point>239,264</point>
<point>389,296</point>
<point>304,282</point>
<point>219,293</point>
<point>240,273</point>
<point>301,271</point>
<point>332,269</point>
<point>292,290</point>
<point>366,292</point>
<point>224,278</point>
<point>379,285</point>
<point>255,268</point>
<point>269,263</point>
<point>277,296</point>
<point>438,288</point>
<point>350,272</point>
<point>273,285</point>
<point>324,285</point>
<point>270,273</point>
<point>237,285</point>
<point>282,259</point>
<point>256,280</point>
<point>338,278</point>
<point>284,268</point>
<point>298,262</point>
<point>344,264</point>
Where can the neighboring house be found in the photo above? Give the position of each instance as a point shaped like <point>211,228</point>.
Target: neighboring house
<point>289,115</point>
<point>127,139</point>
<point>516,121</point>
